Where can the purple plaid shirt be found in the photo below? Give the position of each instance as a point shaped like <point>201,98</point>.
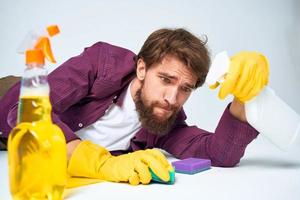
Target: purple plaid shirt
<point>85,86</point>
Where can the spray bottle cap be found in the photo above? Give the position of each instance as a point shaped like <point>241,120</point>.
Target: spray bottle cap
<point>42,48</point>
<point>35,56</point>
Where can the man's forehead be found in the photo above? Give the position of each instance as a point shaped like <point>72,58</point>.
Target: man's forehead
<point>172,66</point>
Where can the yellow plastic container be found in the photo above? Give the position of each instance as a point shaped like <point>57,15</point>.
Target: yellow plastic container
<point>37,153</point>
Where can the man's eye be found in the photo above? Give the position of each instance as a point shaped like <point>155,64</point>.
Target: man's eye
<point>165,80</point>
<point>186,89</point>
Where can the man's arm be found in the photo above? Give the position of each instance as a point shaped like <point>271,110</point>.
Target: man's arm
<point>237,109</point>
<point>248,73</point>
<point>224,148</point>
<point>71,146</point>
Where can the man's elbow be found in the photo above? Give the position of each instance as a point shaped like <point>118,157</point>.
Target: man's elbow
<point>226,163</point>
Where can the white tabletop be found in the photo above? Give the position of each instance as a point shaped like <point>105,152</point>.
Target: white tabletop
<point>264,173</point>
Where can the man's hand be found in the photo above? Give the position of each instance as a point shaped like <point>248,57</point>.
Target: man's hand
<point>134,167</point>
<point>93,161</point>
<point>248,74</point>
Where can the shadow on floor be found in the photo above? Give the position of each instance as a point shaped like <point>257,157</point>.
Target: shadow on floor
<point>270,163</point>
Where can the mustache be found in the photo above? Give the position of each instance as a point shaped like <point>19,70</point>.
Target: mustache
<point>165,106</point>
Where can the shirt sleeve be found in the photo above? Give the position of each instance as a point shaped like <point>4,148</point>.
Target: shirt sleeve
<point>224,148</point>
<point>70,82</point>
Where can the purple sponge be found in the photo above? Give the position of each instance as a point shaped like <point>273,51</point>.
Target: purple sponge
<point>191,165</point>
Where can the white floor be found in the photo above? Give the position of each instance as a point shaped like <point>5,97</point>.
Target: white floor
<point>264,173</point>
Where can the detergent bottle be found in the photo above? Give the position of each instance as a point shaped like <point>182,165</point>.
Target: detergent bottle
<point>36,147</point>
<point>266,112</point>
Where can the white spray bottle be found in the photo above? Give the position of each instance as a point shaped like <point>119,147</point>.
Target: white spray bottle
<point>266,112</point>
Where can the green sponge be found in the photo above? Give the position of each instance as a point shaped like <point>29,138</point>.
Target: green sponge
<point>157,179</point>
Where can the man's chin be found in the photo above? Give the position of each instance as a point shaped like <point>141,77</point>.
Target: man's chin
<point>160,118</point>
<point>153,118</point>
<point>158,125</point>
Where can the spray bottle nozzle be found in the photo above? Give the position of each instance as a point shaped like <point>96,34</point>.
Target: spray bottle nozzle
<point>36,46</point>
<point>218,70</point>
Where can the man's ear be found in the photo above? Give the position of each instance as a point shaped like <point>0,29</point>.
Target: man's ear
<point>141,69</point>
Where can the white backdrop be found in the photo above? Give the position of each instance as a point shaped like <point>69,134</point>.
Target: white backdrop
<point>269,26</point>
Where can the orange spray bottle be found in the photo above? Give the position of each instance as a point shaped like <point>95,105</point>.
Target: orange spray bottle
<point>36,147</point>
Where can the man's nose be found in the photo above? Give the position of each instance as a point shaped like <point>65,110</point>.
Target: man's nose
<point>171,96</point>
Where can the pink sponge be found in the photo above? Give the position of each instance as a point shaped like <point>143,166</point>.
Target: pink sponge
<point>191,165</point>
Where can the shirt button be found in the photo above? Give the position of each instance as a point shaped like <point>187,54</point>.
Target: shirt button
<point>80,125</point>
<point>115,99</point>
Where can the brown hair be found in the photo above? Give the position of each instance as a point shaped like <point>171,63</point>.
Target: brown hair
<point>178,42</point>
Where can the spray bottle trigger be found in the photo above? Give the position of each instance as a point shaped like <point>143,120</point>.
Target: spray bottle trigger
<point>218,70</point>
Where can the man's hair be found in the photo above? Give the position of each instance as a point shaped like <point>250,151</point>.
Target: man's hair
<point>189,49</point>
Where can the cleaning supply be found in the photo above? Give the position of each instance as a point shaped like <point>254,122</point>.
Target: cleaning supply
<point>93,161</point>
<point>191,165</point>
<point>265,111</point>
<point>247,74</point>
<point>36,147</point>
<point>155,178</point>
<point>39,40</point>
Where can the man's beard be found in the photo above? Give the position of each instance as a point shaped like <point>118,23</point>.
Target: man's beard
<point>148,120</point>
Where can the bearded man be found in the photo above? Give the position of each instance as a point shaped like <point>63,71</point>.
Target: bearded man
<point>114,107</point>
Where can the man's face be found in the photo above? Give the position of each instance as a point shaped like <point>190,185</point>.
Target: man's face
<point>165,87</point>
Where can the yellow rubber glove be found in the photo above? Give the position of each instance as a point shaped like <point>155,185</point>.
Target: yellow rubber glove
<point>73,182</point>
<point>93,161</point>
<point>248,74</point>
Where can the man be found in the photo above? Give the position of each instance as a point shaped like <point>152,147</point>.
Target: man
<point>107,98</point>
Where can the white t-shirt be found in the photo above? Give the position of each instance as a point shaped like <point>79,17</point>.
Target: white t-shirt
<point>115,129</point>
